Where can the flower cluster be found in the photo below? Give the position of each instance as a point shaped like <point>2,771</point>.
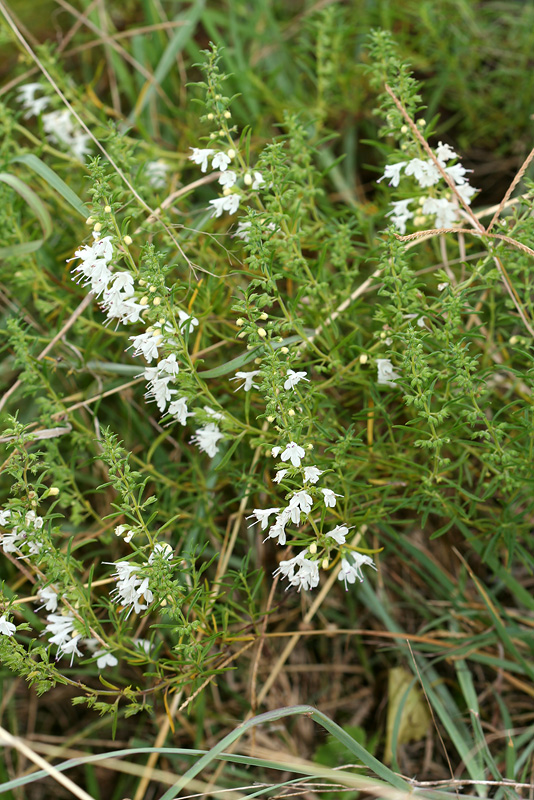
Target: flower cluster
<point>303,569</point>
<point>228,178</point>
<point>23,536</point>
<point>59,126</point>
<point>424,171</point>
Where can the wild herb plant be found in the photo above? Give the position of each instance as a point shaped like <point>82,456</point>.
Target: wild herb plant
<point>232,389</point>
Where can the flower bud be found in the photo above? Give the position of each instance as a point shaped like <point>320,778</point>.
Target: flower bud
<point>211,116</point>
<point>240,322</point>
<point>262,333</point>
<point>127,240</point>
<point>284,350</point>
<point>97,227</point>
<point>107,209</point>
<point>227,114</point>
<point>264,316</point>
<point>89,221</point>
<point>231,153</point>
<point>143,301</point>
<point>157,301</point>
<point>313,548</point>
<point>364,358</point>
<point>324,563</point>
<point>53,491</point>
<point>270,418</point>
<point>291,413</point>
<point>247,179</point>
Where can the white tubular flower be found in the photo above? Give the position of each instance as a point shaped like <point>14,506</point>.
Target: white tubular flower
<point>206,439</point>
<point>61,626</point>
<point>280,475</point>
<point>33,520</point>
<point>293,378</point>
<point>79,145</point>
<point>262,515</point>
<point>278,530</point>
<point>444,152</point>
<point>58,126</point>
<point>34,106</point>
<point>445,211</point>
<point>169,365</point>
<point>147,344</point>
<point>187,322</point>
<point>299,571</point>
<point>105,659</point>
<point>156,173</point>
<point>6,628</point>
<point>466,192</point>
<point>229,203</point>
<point>131,589</point>
<point>425,172</point>
<point>330,497</point>
<point>11,540</point>
<point>178,410</point>
<point>457,173</point>
<point>258,181</point>
<point>339,534</point>
<point>300,501</point>
<point>248,380</point>
<point>220,161</point>
<point>242,231</point>
<point>393,171</point>
<point>49,597</point>
<point>352,569</point>
<point>164,550</point>
<point>4,516</point>
<point>228,179</point>
<point>213,414</point>
<point>312,474</point>
<point>200,157</point>
<point>293,453</point>
<point>386,374</point>
<point>158,389</point>
<point>400,214</point>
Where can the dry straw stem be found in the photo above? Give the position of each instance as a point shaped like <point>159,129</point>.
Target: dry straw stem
<point>7,740</point>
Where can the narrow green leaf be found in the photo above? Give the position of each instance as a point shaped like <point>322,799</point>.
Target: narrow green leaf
<point>54,181</point>
<point>34,202</point>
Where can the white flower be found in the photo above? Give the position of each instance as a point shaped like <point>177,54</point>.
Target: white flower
<point>466,192</point>
<point>393,171</point>
<point>242,231</point>
<point>159,390</point>
<point>131,588</point>
<point>229,203</point>
<point>169,365</point>
<point>330,497</point>
<point>247,378</point>
<point>293,453</point>
<point>187,322</point>
<point>386,374</point>
<point>105,659</point>
<point>33,105</point>
<point>445,211</point>
<point>339,533</point>
<point>200,157</point>
<point>278,530</point>
<point>228,179</point>
<point>78,145</point>
<point>293,378</point>
<point>4,516</point>
<point>312,474</point>
<point>299,571</point>
<point>280,475</point>
<point>258,181</point>
<point>143,644</point>
<point>33,520</point>
<point>147,344</point>
<point>262,515</point>
<point>178,410</point>
<point>164,550</point>
<point>400,214</point>
<point>444,152</point>
<point>424,172</point>
<point>11,540</point>
<point>156,173</point>
<point>442,286</point>
<point>206,439</point>
<point>50,598</point>
<point>299,501</point>
<point>220,161</point>
<point>352,570</point>
<point>457,173</point>
<point>6,628</point>
<point>61,626</point>
<point>213,414</point>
